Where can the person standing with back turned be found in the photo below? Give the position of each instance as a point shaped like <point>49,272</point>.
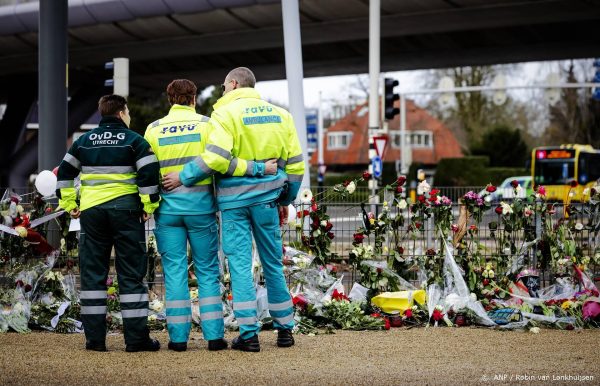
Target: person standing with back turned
<point>247,127</point>
<point>187,214</point>
<point>119,192</point>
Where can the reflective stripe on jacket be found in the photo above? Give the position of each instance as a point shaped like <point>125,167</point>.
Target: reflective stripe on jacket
<point>246,127</point>
<point>176,139</point>
<point>113,161</point>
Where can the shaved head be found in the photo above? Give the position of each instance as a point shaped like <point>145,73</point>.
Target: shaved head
<point>242,75</point>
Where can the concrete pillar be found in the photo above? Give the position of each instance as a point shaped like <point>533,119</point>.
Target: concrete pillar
<point>53,52</point>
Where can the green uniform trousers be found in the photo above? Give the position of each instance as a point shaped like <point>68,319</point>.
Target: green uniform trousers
<point>115,223</point>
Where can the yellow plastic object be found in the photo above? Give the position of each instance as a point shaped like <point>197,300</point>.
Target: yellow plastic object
<point>398,301</point>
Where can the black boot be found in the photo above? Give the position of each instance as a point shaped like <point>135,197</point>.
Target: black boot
<point>149,345</point>
<point>285,338</point>
<point>180,346</point>
<point>217,344</point>
<point>95,346</point>
<point>251,344</point>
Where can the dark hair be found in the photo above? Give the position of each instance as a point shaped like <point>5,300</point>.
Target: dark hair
<point>110,105</point>
<point>181,92</point>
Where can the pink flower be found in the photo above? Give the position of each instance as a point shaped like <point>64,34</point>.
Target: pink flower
<point>541,190</point>
<point>454,228</point>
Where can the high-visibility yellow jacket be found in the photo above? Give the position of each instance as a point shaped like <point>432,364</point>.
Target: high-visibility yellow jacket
<point>113,161</point>
<point>246,127</point>
<point>179,138</point>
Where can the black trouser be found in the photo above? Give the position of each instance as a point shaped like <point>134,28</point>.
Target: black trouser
<point>119,223</point>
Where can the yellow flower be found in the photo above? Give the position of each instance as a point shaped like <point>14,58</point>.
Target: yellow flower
<point>372,221</point>
<point>566,304</point>
<point>111,291</point>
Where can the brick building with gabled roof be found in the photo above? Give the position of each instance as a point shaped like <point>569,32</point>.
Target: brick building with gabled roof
<point>346,145</point>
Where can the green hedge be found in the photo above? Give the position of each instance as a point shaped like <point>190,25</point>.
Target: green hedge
<point>472,171</point>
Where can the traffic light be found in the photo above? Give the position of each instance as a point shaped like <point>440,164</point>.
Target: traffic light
<point>389,98</point>
<point>120,78</point>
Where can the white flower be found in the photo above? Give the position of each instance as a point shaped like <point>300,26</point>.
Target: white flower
<point>506,208</point>
<point>156,305</point>
<point>423,187</point>
<point>152,318</point>
<point>535,330</point>
<point>571,194</point>
<point>351,187</point>
<point>306,196</point>
<point>323,223</point>
<point>194,294</point>
<point>491,274</point>
<point>579,226</point>
<point>402,204</point>
<point>473,297</point>
<point>586,191</point>
<point>518,189</point>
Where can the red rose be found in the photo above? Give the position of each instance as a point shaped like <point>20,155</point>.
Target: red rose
<point>418,225</point>
<point>336,295</point>
<point>473,228</point>
<point>315,225</point>
<point>437,315</point>
<point>27,287</point>
<point>19,283</point>
<point>401,180</point>
<point>421,198</point>
<point>366,176</point>
<point>490,189</point>
<point>434,192</point>
<point>408,313</point>
<point>569,327</point>
<point>379,270</point>
<point>387,324</point>
<point>314,207</point>
<point>432,198</point>
<point>358,237</point>
<point>514,183</point>
<point>300,301</point>
<point>399,189</point>
<point>328,226</point>
<point>430,252</point>
<point>574,184</point>
<point>498,210</point>
<point>375,315</point>
<point>486,282</point>
<point>330,235</point>
<point>401,250</point>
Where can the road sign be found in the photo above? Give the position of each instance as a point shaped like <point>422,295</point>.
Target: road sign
<point>311,130</point>
<point>377,166</point>
<point>380,144</point>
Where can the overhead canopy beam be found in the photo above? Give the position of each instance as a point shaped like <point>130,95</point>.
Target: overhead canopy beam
<point>446,21</point>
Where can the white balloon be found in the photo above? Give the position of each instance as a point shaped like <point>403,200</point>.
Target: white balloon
<point>291,213</point>
<point>45,183</point>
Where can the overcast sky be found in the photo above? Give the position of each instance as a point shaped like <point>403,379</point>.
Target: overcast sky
<point>338,87</point>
